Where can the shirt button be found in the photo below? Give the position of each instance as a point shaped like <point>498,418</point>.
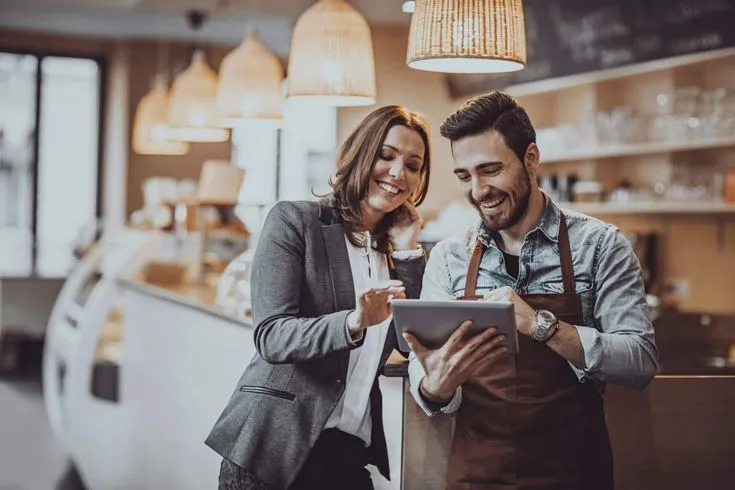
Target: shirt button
<point>338,381</point>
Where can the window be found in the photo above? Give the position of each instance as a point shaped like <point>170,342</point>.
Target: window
<point>49,188</point>
<point>18,81</point>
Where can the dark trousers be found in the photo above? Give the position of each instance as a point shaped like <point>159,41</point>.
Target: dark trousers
<point>337,462</point>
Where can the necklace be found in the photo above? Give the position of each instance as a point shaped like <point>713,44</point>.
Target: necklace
<point>368,253</point>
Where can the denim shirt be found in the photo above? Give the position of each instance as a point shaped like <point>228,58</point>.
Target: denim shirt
<point>617,335</point>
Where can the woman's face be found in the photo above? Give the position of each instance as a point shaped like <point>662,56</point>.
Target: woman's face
<point>397,172</point>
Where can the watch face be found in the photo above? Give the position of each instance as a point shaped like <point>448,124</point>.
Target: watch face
<point>546,317</point>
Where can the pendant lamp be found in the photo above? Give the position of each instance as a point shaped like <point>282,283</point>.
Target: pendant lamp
<point>192,113</point>
<point>331,58</point>
<point>250,84</point>
<point>150,129</point>
<point>468,36</point>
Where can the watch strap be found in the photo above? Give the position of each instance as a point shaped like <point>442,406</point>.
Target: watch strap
<point>553,329</point>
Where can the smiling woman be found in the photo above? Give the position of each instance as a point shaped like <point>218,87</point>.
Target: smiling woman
<point>383,167</point>
<point>322,280</point>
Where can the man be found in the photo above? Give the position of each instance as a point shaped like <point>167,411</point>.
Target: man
<point>533,420</point>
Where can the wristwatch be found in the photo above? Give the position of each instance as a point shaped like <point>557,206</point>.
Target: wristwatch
<point>546,325</point>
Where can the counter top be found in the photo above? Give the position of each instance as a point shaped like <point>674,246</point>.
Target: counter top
<point>396,366</point>
<point>695,344</point>
<point>689,344</point>
<point>198,297</point>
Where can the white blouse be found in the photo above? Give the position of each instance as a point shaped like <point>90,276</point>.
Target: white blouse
<point>352,413</point>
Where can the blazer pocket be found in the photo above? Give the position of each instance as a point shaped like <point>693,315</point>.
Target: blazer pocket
<point>262,390</point>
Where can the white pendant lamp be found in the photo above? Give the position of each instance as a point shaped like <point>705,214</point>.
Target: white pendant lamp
<point>468,36</point>
<point>331,58</point>
<point>192,113</point>
<point>150,128</point>
<point>250,85</point>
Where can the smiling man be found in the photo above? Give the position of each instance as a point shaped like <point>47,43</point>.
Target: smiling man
<point>533,420</point>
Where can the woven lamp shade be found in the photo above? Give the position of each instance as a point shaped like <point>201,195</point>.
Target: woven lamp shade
<point>250,85</point>
<point>331,57</point>
<point>192,111</point>
<point>150,128</point>
<point>467,36</point>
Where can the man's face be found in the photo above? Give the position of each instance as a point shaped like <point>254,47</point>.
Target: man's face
<point>492,177</point>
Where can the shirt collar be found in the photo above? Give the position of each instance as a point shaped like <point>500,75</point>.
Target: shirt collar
<point>550,219</point>
<point>548,225</point>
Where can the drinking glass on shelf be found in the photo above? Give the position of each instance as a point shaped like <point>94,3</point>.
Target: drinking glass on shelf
<point>661,122</point>
<point>618,126</point>
<point>714,122</point>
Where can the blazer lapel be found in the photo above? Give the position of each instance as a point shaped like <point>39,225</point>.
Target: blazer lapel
<point>338,261</point>
<point>343,286</point>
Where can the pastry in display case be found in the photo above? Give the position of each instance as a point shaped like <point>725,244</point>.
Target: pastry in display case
<point>233,288</point>
<point>204,232</point>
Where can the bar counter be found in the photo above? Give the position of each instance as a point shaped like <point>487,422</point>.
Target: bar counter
<point>678,434</point>
<point>182,356</point>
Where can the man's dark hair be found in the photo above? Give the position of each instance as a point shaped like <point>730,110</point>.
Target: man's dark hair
<point>494,111</point>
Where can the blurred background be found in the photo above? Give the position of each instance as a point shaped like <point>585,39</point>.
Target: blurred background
<point>142,143</point>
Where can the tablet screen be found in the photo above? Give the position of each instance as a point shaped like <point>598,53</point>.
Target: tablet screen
<point>433,322</point>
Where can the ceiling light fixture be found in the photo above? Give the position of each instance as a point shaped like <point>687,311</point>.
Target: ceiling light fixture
<point>250,84</point>
<point>192,112</point>
<point>331,58</point>
<point>471,36</point>
<point>151,132</point>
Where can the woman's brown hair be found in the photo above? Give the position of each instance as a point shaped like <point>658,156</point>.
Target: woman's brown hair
<point>357,157</point>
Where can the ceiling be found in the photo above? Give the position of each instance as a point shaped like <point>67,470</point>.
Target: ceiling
<point>227,20</point>
<point>376,11</point>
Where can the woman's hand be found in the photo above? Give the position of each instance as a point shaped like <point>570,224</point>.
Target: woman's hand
<point>404,234</point>
<point>373,306</point>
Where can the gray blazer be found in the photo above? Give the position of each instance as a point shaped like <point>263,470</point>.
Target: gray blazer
<point>302,291</point>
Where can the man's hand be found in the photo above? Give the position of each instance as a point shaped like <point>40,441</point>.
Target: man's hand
<point>525,315</point>
<point>451,365</point>
<point>566,342</point>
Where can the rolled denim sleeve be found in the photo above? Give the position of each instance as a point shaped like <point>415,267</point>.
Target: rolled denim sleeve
<point>415,374</point>
<point>622,348</point>
<point>435,286</point>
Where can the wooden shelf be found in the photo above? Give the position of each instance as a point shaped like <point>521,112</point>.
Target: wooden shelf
<point>564,83</point>
<point>640,149</point>
<point>654,207</point>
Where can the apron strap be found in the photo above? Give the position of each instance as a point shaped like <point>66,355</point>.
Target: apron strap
<point>565,251</point>
<point>473,270</point>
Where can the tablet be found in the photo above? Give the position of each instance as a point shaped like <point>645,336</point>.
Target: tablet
<point>432,322</point>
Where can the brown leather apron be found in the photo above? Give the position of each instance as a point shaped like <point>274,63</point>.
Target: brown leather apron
<point>525,421</point>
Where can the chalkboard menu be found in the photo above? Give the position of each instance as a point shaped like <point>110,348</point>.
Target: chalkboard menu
<point>568,37</point>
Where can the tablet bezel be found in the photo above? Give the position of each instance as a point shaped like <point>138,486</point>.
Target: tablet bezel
<point>414,316</point>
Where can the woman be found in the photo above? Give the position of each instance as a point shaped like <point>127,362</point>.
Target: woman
<point>307,413</point>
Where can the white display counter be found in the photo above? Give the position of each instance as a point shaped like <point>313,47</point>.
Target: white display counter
<point>182,360</point>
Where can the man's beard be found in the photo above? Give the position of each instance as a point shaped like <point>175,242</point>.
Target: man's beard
<point>522,193</point>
